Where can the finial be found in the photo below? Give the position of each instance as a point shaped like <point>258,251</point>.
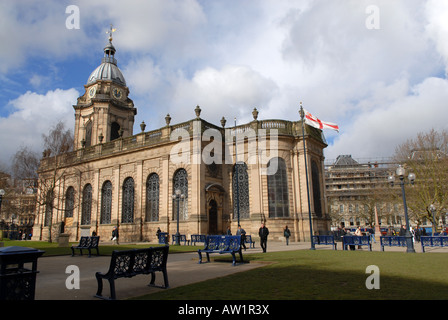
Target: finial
<point>111,30</point>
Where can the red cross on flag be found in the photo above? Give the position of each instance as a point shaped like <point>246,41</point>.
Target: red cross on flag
<point>317,123</point>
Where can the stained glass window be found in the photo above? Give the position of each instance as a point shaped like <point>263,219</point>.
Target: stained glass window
<point>180,182</point>
<point>278,189</point>
<point>127,213</point>
<point>152,198</point>
<point>48,208</point>
<point>106,203</point>
<point>69,202</point>
<point>240,191</point>
<point>86,210</point>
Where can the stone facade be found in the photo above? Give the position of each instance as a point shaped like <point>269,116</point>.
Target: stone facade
<point>117,178</point>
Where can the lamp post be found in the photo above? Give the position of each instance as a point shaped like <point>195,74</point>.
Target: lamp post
<point>411,177</point>
<point>177,196</point>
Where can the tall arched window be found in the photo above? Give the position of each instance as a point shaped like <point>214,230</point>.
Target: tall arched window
<point>180,182</point>
<point>152,198</point>
<point>69,202</point>
<point>127,212</point>
<point>89,134</point>
<point>278,189</point>
<point>240,191</point>
<point>114,131</point>
<point>86,211</point>
<point>106,202</point>
<point>48,208</point>
<point>316,188</point>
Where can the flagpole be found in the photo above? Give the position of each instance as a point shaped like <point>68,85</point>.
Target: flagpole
<point>302,116</point>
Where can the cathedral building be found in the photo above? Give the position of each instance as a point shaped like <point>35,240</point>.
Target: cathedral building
<point>196,176</point>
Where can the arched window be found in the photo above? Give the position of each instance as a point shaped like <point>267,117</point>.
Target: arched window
<point>106,202</point>
<point>278,189</point>
<point>89,134</point>
<point>240,191</point>
<point>316,188</point>
<point>152,198</point>
<point>180,182</point>
<point>69,202</point>
<point>114,131</point>
<point>86,212</point>
<point>48,208</point>
<point>127,213</point>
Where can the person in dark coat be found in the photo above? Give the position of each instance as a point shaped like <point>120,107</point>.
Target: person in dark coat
<point>263,232</point>
<point>115,235</point>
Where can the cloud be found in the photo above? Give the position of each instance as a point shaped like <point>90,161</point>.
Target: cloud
<point>33,115</point>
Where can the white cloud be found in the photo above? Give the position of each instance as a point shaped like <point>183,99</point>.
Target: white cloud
<point>33,115</point>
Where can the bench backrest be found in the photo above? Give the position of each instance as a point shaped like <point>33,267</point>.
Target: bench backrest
<point>440,241</point>
<point>84,242</point>
<point>393,241</point>
<point>198,238</point>
<point>223,243</point>
<point>323,239</point>
<point>136,261</point>
<point>94,241</point>
<point>356,240</point>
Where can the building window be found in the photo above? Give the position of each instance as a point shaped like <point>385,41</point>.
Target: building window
<point>278,189</point>
<point>48,208</point>
<point>89,134</point>
<point>180,182</point>
<point>114,131</point>
<point>86,212</point>
<point>127,213</point>
<point>106,203</point>
<point>240,191</point>
<point>69,202</point>
<point>152,198</point>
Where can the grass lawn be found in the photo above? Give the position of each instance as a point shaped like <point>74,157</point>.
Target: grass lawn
<point>52,249</point>
<point>325,274</point>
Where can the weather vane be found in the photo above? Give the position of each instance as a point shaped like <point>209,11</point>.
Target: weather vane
<point>111,30</point>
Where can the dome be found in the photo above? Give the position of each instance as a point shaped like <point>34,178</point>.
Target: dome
<point>108,69</point>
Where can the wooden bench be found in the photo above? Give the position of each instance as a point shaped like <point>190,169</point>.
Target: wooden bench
<point>441,241</point>
<point>249,241</point>
<point>129,263</point>
<point>389,241</point>
<point>87,243</point>
<point>222,244</point>
<point>182,237</point>
<point>325,241</point>
<point>356,241</point>
<point>198,238</point>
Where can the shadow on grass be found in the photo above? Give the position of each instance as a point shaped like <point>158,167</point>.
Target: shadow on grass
<point>325,275</point>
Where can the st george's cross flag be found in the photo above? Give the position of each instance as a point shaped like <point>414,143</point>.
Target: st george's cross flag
<point>317,123</point>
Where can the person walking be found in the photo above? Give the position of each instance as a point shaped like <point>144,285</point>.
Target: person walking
<point>115,235</point>
<point>287,234</point>
<point>263,232</point>
<point>241,232</point>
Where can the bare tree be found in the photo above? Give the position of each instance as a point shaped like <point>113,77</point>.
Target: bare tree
<point>427,157</point>
<point>25,163</point>
<point>59,140</point>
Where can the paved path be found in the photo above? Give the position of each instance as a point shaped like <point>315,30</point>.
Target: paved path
<point>183,269</point>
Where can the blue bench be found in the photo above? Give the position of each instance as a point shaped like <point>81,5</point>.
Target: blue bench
<point>197,238</point>
<point>441,241</point>
<point>182,237</point>
<point>249,241</point>
<point>325,241</point>
<point>87,243</point>
<point>222,244</point>
<point>129,263</point>
<point>163,237</point>
<point>392,242</point>
<point>356,241</point>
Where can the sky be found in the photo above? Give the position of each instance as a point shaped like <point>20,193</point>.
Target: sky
<point>377,68</point>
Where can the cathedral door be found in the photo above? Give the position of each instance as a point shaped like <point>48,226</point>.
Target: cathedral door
<point>213,217</point>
